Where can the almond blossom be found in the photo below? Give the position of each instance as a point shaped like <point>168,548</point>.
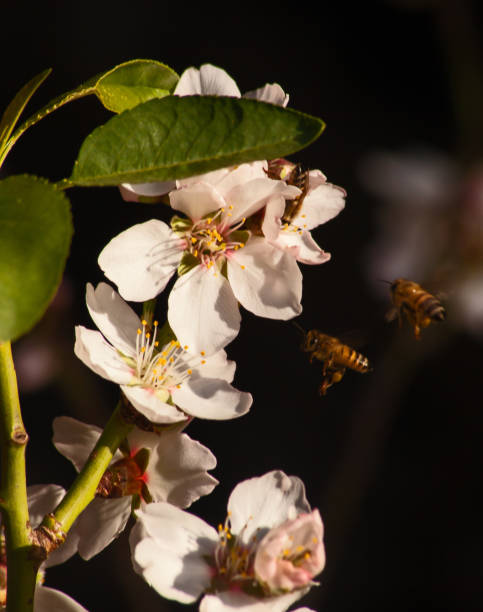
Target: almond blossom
<point>164,383</point>
<point>222,265</point>
<point>263,558</point>
<point>150,467</point>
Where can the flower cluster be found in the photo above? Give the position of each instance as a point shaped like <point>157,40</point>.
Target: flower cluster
<point>236,237</point>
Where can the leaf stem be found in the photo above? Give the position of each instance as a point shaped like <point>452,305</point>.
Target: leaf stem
<point>43,112</point>
<point>84,487</point>
<point>21,565</point>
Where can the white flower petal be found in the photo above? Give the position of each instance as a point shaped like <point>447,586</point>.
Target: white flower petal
<point>147,402</point>
<point>42,499</point>
<point>270,500</point>
<point>322,203</point>
<point>272,218</point>
<point>238,175</point>
<point>117,321</point>
<point>271,92</point>
<point>97,354</point>
<point>142,259</point>
<point>216,366</point>
<point>51,600</point>
<point>213,178</point>
<point>247,198</point>
<point>202,311</point>
<point>266,280</point>
<point>100,523</point>
<point>301,246</point>
<point>169,547</point>
<point>74,440</point>
<point>212,398</point>
<point>209,80</point>
<point>177,470</point>
<point>196,200</point>
<point>130,192</point>
<point>229,601</point>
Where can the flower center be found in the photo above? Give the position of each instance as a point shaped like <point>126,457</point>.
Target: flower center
<point>166,368</point>
<point>233,558</point>
<point>211,237</point>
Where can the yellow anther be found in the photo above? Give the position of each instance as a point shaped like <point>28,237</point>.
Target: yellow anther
<point>222,210</point>
<point>242,267</point>
<point>195,253</point>
<point>144,323</point>
<point>220,527</point>
<point>230,207</point>
<point>242,244</point>
<point>190,371</point>
<point>203,361</point>
<point>193,240</point>
<point>155,324</point>
<point>203,354</point>
<point>228,535</point>
<point>178,386</point>
<point>209,220</point>
<point>315,540</point>
<point>148,335</point>
<point>171,359</point>
<point>156,343</point>
<point>139,332</point>
<point>143,349</point>
<point>307,555</point>
<point>286,552</point>
<point>303,216</point>
<point>185,347</point>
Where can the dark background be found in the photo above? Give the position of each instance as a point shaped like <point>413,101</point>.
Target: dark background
<point>392,458</point>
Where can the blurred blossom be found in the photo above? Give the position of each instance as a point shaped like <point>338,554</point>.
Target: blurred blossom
<point>429,228</point>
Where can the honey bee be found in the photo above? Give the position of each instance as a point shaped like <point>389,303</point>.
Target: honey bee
<point>292,174</point>
<point>336,356</point>
<point>419,306</point>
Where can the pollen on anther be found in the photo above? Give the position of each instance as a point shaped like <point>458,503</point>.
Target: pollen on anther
<point>185,347</point>
<point>202,353</point>
<point>190,371</point>
<point>155,324</point>
<point>139,332</point>
<point>242,267</point>
<point>203,361</point>
<point>144,322</point>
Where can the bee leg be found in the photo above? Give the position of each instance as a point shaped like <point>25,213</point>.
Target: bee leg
<point>326,383</point>
<point>327,364</point>
<point>417,332</point>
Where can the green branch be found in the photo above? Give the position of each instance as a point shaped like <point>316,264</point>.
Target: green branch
<point>22,567</point>
<point>83,489</point>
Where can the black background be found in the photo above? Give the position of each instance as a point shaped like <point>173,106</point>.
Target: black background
<point>393,458</point>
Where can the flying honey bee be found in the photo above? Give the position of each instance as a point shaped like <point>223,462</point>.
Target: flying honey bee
<point>419,306</point>
<point>336,357</point>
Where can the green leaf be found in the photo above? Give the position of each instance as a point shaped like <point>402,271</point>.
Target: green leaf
<point>35,234</point>
<point>134,82</point>
<point>176,137</point>
<point>16,106</point>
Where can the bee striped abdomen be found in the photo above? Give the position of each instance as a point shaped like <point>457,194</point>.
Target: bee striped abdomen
<point>418,304</point>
